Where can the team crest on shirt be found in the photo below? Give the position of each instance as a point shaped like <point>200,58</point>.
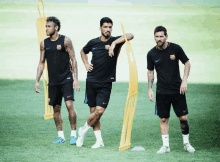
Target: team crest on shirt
<point>172,57</point>
<point>107,47</point>
<point>59,47</point>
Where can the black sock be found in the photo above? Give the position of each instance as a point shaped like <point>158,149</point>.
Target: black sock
<point>184,127</point>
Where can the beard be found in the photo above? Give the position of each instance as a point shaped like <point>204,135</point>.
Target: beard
<point>161,43</point>
<point>50,34</point>
<point>106,36</point>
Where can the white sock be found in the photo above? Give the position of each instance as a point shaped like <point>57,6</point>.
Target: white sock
<point>165,139</point>
<point>73,133</point>
<point>85,128</point>
<point>185,138</point>
<point>98,135</point>
<point>61,134</point>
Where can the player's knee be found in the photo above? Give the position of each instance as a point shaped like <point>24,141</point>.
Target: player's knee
<point>99,111</point>
<point>56,108</point>
<point>164,120</point>
<point>183,118</point>
<point>69,104</point>
<point>92,109</point>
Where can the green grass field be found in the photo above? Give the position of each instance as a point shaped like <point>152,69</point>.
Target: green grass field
<point>26,136</point>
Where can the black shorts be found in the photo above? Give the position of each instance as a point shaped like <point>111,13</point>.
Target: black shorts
<point>56,93</point>
<point>164,101</point>
<point>98,93</point>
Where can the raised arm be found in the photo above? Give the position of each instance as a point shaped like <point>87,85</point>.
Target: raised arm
<point>129,36</point>
<point>150,76</point>
<point>40,67</point>
<point>84,57</point>
<point>69,48</point>
<point>183,87</point>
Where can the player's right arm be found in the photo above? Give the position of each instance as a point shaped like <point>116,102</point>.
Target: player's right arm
<point>40,67</point>
<point>84,57</point>
<point>150,76</point>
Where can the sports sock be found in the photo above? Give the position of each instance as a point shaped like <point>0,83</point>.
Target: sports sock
<point>61,134</point>
<point>98,135</point>
<point>85,128</point>
<point>185,138</point>
<point>184,127</point>
<point>165,139</point>
<point>73,133</point>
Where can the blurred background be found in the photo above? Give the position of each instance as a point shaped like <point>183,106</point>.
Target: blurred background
<point>192,24</point>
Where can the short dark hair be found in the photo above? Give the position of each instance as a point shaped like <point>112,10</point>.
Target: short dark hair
<point>55,20</point>
<point>105,20</point>
<point>160,28</point>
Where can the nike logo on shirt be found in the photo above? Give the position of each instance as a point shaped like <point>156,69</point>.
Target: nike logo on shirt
<point>157,60</point>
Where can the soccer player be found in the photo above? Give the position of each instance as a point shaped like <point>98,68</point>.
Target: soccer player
<point>164,57</point>
<point>100,75</point>
<point>63,75</point>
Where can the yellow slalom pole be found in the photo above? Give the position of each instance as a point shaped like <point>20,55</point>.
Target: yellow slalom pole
<point>41,32</point>
<point>131,98</point>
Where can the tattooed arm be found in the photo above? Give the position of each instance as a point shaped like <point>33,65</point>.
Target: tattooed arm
<point>40,67</point>
<point>150,76</point>
<point>69,48</point>
<point>183,87</point>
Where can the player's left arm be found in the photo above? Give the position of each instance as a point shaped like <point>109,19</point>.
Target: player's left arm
<point>129,36</point>
<point>183,87</point>
<point>69,48</point>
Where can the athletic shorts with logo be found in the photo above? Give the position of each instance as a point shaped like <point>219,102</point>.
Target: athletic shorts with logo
<point>164,101</point>
<point>57,92</point>
<point>98,93</point>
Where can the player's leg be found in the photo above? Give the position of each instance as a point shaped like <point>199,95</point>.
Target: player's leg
<point>90,99</point>
<point>102,92</point>
<point>163,110</point>
<point>68,94</point>
<point>102,100</point>
<point>55,96</point>
<point>180,108</point>
<point>97,131</point>
<point>98,125</point>
<point>94,121</point>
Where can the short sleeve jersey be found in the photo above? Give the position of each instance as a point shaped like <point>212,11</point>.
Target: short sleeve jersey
<point>166,63</point>
<point>104,66</point>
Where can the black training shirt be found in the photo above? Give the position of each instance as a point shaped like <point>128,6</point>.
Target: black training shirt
<point>58,61</point>
<point>166,63</point>
<point>104,66</point>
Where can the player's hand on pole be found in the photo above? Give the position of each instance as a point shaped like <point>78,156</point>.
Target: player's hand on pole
<point>151,95</point>
<point>183,87</point>
<point>76,85</point>
<point>37,87</point>
<point>111,49</point>
<point>89,67</point>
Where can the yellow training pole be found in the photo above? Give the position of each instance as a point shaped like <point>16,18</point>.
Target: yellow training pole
<point>41,32</point>
<point>131,98</point>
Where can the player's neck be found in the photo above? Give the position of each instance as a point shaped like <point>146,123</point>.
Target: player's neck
<point>104,39</point>
<point>54,37</point>
<point>164,46</point>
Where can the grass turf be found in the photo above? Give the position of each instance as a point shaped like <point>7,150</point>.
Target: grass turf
<point>26,136</point>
